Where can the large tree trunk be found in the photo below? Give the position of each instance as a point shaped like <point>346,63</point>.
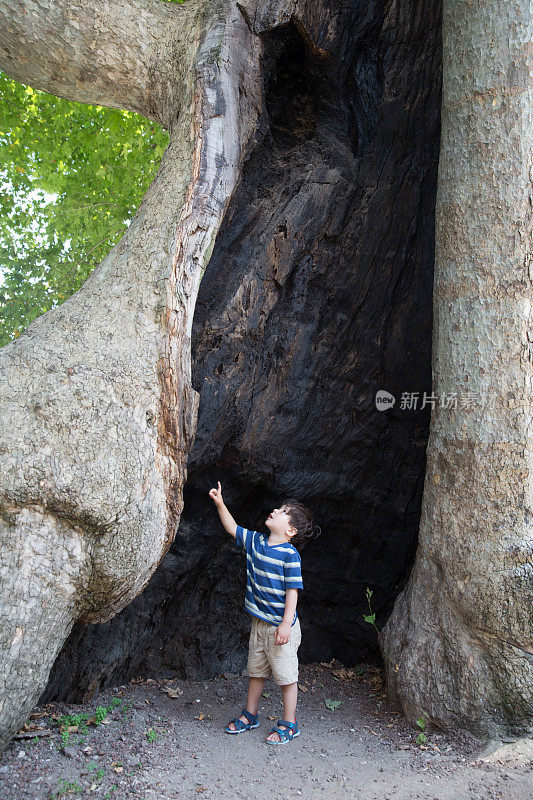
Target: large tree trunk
<point>321,265</point>
<point>459,645</point>
<point>317,294</point>
<point>97,409</point>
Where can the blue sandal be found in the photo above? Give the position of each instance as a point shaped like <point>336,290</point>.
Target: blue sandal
<point>285,735</point>
<point>240,726</point>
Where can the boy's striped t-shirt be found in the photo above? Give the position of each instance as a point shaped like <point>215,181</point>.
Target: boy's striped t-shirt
<point>270,571</point>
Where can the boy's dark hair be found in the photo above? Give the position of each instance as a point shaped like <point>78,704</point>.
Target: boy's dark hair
<point>302,519</point>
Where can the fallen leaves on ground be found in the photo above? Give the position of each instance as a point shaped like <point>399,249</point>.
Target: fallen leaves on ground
<point>344,673</point>
<point>172,691</point>
<point>28,731</point>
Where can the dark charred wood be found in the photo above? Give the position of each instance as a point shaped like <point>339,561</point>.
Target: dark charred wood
<point>317,295</point>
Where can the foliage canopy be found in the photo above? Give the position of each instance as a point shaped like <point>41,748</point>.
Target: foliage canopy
<point>71,180</point>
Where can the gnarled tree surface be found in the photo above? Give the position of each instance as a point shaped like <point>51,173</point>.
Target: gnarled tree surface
<point>97,409</point>
<point>100,401</point>
<point>459,644</point>
<point>317,294</point>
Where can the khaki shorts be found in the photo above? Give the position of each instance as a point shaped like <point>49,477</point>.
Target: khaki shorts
<point>267,659</point>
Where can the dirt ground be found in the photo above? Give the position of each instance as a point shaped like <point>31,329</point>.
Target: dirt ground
<point>164,738</point>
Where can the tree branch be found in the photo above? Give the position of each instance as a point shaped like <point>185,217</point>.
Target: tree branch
<point>129,54</point>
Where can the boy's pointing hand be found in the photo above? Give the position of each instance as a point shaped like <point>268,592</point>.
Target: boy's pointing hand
<point>216,496</point>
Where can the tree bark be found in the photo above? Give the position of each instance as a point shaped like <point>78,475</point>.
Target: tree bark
<point>99,412</point>
<point>129,54</point>
<point>459,643</point>
<point>97,407</point>
<point>318,293</point>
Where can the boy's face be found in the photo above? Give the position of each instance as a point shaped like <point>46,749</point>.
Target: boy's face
<point>278,521</point>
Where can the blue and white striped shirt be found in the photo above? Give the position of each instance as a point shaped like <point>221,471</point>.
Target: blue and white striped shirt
<point>270,570</point>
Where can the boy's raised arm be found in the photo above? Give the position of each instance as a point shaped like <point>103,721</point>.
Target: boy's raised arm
<point>225,517</point>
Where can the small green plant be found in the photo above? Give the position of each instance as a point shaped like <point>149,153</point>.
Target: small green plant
<point>126,708</point>
<point>360,670</point>
<point>151,735</point>
<point>65,738</point>
<point>370,618</point>
<point>67,786</point>
<point>421,738</point>
<point>99,772</point>
<point>132,771</point>
<point>332,704</point>
<point>82,723</point>
<point>108,794</point>
<point>80,720</point>
<point>100,714</point>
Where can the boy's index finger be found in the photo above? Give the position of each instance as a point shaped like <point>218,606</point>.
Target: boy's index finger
<point>219,486</point>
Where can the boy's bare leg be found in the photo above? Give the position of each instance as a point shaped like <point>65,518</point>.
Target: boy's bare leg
<point>255,690</point>
<point>289,692</point>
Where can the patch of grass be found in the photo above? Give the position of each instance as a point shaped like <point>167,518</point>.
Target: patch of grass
<point>99,772</point>
<point>65,786</point>
<point>151,735</point>
<point>100,714</point>
<point>126,708</point>
<point>79,723</point>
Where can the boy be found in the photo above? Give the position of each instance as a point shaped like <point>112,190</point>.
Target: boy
<point>273,569</point>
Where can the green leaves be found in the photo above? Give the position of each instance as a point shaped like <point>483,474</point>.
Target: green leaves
<point>72,177</point>
<point>332,704</point>
<point>421,738</point>
<point>370,618</point>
